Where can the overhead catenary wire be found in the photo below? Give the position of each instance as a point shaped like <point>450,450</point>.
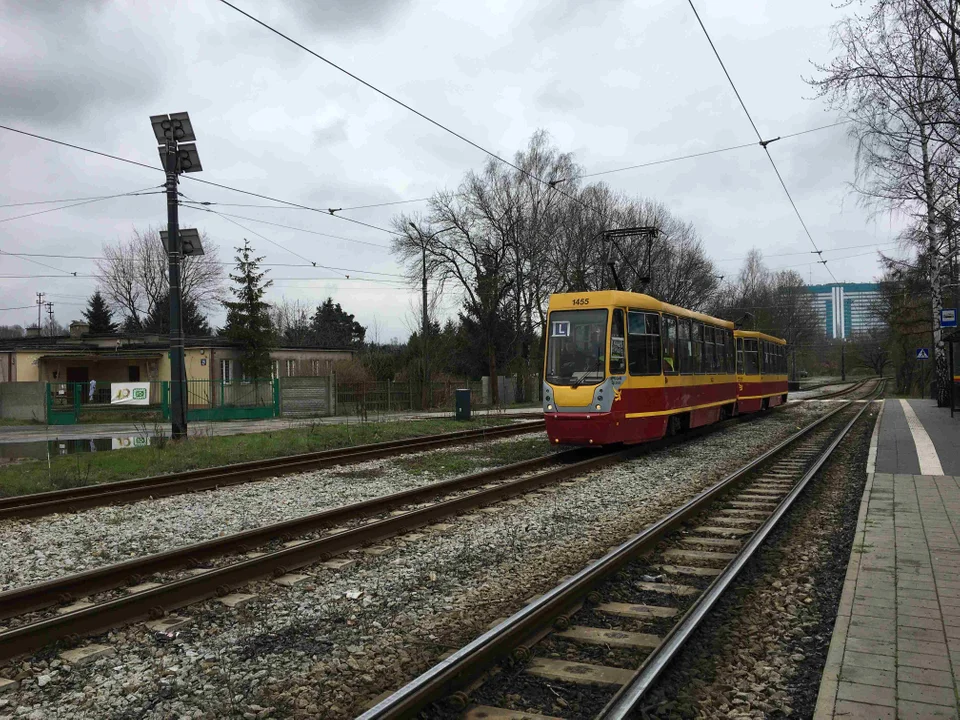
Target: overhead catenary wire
<point>763,143</point>
<point>401,103</point>
<point>220,262</point>
<point>37,262</point>
<point>691,156</point>
<point>288,207</point>
<point>810,252</point>
<point>281,225</point>
<point>83,202</point>
<point>332,212</point>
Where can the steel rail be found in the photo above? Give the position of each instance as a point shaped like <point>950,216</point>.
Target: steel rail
<point>218,581</point>
<point>449,674</point>
<point>625,701</point>
<point>29,598</point>
<point>72,499</point>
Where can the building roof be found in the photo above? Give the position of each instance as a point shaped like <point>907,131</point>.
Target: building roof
<point>125,343</point>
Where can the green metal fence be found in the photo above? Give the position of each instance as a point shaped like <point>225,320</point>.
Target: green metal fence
<point>69,402</point>
<point>240,400</point>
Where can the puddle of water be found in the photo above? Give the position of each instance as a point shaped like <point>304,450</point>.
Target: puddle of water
<point>38,450</point>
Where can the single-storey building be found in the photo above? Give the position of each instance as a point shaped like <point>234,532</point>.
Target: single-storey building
<point>82,357</point>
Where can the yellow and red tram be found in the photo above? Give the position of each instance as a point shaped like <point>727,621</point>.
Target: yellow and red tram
<point>623,367</point>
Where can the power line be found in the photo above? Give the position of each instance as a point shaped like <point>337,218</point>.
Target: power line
<point>402,104</point>
<point>287,207</point>
<point>329,211</point>
<point>810,252</point>
<point>218,262</point>
<point>281,225</point>
<point>77,204</point>
<point>37,262</point>
<point>763,143</point>
<point>21,307</point>
<point>701,154</point>
<point>65,200</point>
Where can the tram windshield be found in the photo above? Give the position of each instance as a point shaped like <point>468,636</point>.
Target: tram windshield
<point>575,347</point>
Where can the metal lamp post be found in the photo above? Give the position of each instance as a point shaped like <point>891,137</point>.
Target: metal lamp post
<point>170,131</point>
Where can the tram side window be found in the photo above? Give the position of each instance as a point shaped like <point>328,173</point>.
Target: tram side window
<point>707,349</point>
<point>717,349</point>
<point>696,340</point>
<point>670,345</point>
<point>731,353</point>
<point>751,361</point>
<point>683,335</point>
<point>618,357</point>
<point>643,343</point>
<point>739,356</point>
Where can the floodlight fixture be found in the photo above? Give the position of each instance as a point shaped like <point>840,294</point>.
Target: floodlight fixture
<point>188,160</point>
<point>175,126</point>
<point>189,241</point>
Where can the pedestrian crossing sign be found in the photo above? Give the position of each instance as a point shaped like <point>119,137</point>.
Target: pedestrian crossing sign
<point>923,353</point>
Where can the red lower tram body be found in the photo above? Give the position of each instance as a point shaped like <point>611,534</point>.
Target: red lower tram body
<point>645,414</point>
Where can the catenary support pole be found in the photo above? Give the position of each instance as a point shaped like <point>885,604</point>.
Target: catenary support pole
<point>178,407</point>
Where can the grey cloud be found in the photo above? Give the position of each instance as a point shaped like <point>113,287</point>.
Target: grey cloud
<point>338,16</point>
<point>75,65</point>
<point>557,96</point>
<point>332,133</point>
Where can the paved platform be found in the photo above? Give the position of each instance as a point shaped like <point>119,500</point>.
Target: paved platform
<point>895,651</point>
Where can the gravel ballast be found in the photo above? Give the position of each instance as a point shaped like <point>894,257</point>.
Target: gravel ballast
<point>324,648</point>
<point>44,548</point>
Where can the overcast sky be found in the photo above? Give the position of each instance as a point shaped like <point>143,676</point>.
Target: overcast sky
<point>617,83</point>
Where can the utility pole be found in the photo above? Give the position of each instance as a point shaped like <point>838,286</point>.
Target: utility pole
<point>426,395</point>
<point>425,320</point>
<point>843,360</point>
<point>177,158</point>
<point>50,314</point>
<point>39,310</point>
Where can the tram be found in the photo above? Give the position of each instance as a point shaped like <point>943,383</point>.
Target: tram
<point>623,367</point>
<point>761,371</point>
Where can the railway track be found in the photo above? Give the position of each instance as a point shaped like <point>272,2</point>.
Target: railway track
<point>603,636</point>
<point>82,498</point>
<point>99,495</point>
<point>154,585</point>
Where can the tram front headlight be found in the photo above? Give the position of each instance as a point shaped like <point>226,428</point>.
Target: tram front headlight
<point>598,407</point>
<point>549,407</point>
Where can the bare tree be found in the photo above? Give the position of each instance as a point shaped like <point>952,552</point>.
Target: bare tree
<point>291,321</point>
<point>892,75</point>
<point>134,276</point>
<point>872,350</point>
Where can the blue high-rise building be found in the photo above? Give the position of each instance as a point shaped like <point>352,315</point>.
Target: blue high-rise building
<point>847,309</point>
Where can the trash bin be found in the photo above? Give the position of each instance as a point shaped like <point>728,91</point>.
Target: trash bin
<point>463,404</point>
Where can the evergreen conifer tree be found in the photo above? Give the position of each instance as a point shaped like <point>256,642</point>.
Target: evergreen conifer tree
<point>193,322</point>
<point>248,319</point>
<point>98,316</point>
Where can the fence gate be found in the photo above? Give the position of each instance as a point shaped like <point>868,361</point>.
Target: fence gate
<point>63,403</point>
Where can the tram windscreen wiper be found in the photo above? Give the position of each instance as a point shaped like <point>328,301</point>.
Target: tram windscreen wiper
<point>577,381</point>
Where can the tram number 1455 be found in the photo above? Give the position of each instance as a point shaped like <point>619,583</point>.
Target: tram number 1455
<point>581,301</point>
